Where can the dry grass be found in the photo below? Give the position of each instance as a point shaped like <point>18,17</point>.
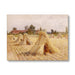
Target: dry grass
<point>17,52</point>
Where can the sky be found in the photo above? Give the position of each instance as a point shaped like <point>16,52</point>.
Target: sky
<point>48,22</point>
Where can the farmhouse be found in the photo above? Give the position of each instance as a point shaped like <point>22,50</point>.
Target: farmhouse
<point>22,31</point>
<point>18,31</point>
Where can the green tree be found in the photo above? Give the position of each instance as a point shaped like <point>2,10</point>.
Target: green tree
<point>29,31</point>
<point>52,31</point>
<point>40,29</point>
<point>66,29</point>
<point>14,28</point>
<point>32,27</point>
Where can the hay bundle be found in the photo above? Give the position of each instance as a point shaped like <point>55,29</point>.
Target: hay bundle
<point>19,39</point>
<point>44,42</point>
<point>11,38</point>
<point>25,40</point>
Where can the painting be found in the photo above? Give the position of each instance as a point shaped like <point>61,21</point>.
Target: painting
<point>37,37</point>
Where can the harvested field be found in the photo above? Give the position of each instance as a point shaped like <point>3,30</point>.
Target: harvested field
<point>17,52</point>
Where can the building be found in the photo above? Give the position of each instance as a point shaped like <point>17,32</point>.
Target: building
<point>18,31</point>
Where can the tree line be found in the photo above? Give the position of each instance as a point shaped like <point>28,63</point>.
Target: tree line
<point>31,30</point>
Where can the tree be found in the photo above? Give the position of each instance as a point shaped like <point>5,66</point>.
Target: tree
<point>29,31</point>
<point>32,27</point>
<point>66,29</point>
<point>55,31</point>
<point>52,30</point>
<point>26,27</point>
<point>14,28</point>
<point>40,29</point>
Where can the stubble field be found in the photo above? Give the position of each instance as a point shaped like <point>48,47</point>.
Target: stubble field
<point>16,52</point>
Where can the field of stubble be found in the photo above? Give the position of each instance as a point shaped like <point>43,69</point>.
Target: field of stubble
<point>17,52</point>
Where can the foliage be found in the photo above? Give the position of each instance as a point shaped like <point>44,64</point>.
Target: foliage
<point>66,29</point>
<point>14,28</point>
<point>21,32</point>
<point>54,32</point>
<point>31,29</point>
<point>40,29</point>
